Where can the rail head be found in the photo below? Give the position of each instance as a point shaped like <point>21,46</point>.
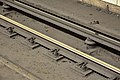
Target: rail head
<point>93,59</point>
<point>102,39</point>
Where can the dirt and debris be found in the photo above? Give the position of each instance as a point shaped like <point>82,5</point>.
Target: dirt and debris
<point>40,65</point>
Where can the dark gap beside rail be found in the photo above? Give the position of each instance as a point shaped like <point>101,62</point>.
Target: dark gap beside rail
<point>66,31</point>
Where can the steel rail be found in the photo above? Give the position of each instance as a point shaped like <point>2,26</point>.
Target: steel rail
<point>104,64</point>
<point>100,38</point>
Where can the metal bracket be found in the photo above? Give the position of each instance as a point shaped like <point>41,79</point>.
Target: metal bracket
<point>10,32</point>
<point>31,42</point>
<point>54,54</point>
<point>90,43</point>
<point>82,68</point>
<point>90,46</point>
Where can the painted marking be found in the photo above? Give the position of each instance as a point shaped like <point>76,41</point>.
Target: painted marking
<point>113,68</point>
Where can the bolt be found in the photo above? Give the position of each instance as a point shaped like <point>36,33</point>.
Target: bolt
<point>83,66</point>
<point>55,52</point>
<point>32,40</point>
<point>10,30</point>
<point>95,22</point>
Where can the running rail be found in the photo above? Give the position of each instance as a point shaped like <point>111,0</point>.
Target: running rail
<point>104,64</point>
<point>80,30</point>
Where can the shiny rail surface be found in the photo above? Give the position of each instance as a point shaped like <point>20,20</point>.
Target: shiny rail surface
<point>95,60</point>
<point>104,39</point>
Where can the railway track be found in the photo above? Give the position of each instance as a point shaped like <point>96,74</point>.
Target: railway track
<point>111,69</point>
<point>105,39</point>
<point>101,38</point>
